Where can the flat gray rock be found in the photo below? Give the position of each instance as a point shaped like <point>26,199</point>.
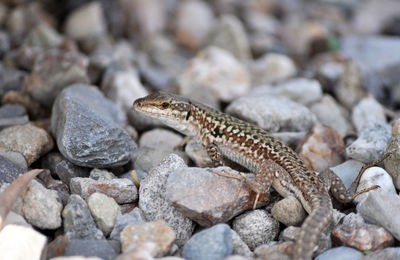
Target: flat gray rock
<point>90,247</point>
<point>86,128</point>
<point>9,171</point>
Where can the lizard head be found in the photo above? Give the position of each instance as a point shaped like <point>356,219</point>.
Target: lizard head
<point>170,109</point>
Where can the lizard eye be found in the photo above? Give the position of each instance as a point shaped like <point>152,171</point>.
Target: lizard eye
<point>165,105</point>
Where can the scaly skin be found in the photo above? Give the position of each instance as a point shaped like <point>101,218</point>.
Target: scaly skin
<point>276,164</point>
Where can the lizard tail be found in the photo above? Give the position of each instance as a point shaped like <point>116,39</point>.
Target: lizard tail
<point>313,226</point>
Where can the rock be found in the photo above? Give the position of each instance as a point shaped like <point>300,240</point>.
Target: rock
<point>193,21</point>
<point>90,248</point>
<point>17,242</point>
<point>139,236</point>
<point>101,175</point>
<point>12,114</point>
<point>278,114</point>
<point>4,43</point>
<point>390,253</point>
<point>10,79</point>
<point>29,140</point>
<point>132,218</point>
<point>229,34</point>
<point>379,208</point>
<point>42,207</point>
<point>43,36</point>
<point>292,139</point>
<point>342,252</point>
<point>217,71</point>
<point>330,113</point>
<point>9,171</point>
<point>57,247</point>
<point>78,223</point>
<point>15,219</point>
<point>15,157</point>
<point>256,227</point>
<point>208,198</point>
<point>147,158</point>
<point>368,112</point>
<point>322,148</point>
<point>86,22</point>
<point>53,71</point>
<point>393,146</point>
<point>289,211</point>
<point>60,187</point>
<point>104,211</point>
<point>160,139</point>
<point>156,206</point>
<point>197,153</point>
<point>240,247</point>
<point>370,144</point>
<point>375,176</point>
<point>347,171</point>
<point>62,168</point>
<point>121,190</point>
<point>271,68</point>
<point>348,90</point>
<point>99,142</point>
<point>212,243</point>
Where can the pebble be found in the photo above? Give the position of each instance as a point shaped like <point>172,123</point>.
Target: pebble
<point>12,114</point>
<point>101,175</point>
<point>62,168</point>
<point>256,227</point>
<point>342,252</point>
<point>217,71</point>
<point>4,43</point>
<point>322,148</point>
<point>132,218</point>
<point>347,171</point>
<point>212,243</point>
<point>54,70</point>
<point>43,36</point>
<point>60,187</point>
<point>90,248</point>
<point>229,34</point>
<point>29,140</point>
<point>104,211</point>
<point>15,157</point>
<point>9,171</point>
<point>15,219</point>
<point>390,253</point>
<point>160,139</point>
<point>156,206</point>
<point>271,68</point>
<point>156,233</point>
<point>86,22</point>
<point>208,198</point>
<point>289,211</point>
<point>193,21</point>
<point>99,142</point>
<point>375,176</point>
<point>278,114</point>
<point>18,242</point>
<point>239,246</point>
<point>330,113</point>
<point>379,208</point>
<point>370,144</point>
<point>393,146</point>
<point>368,112</point>
<point>121,190</point>
<point>78,222</point>
<point>197,153</point>
<point>11,79</point>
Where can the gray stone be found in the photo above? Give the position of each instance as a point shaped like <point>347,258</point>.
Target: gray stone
<point>10,79</point>
<point>289,211</point>
<point>212,243</point>
<point>342,252</point>
<point>104,211</point>
<point>29,140</point>
<point>17,242</point>
<point>16,157</point>
<point>154,204</point>
<point>4,44</point>
<point>42,207</point>
<point>132,218</point>
<point>198,153</point>
<point>370,144</point>
<point>229,34</point>
<point>43,36</point>
<point>347,171</point>
<point>9,171</point>
<point>90,248</point>
<point>160,139</point>
<point>368,112</point>
<point>15,219</point>
<point>101,175</point>
<point>240,247</point>
<point>78,222</point>
<point>12,110</point>
<point>217,71</point>
<point>380,208</point>
<point>330,113</point>
<point>392,164</point>
<point>122,190</point>
<point>98,142</point>
<point>278,114</point>
<point>256,227</point>
<point>271,68</point>
<point>390,253</point>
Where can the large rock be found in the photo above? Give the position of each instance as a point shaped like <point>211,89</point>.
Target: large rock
<point>85,125</point>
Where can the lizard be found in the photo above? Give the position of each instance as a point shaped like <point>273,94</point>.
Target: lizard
<point>227,138</point>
